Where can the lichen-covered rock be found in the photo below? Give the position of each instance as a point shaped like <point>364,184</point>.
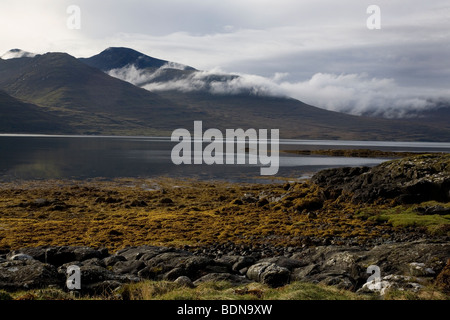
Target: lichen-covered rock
<point>269,273</point>
<point>27,274</point>
<point>233,279</point>
<point>409,180</point>
<point>184,281</point>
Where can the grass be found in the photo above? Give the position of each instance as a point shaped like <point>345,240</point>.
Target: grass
<point>221,290</point>
<point>406,216</point>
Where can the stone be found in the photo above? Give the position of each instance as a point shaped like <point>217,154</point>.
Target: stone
<point>269,273</point>
<point>409,180</point>
<point>284,262</point>
<point>242,262</point>
<point>304,273</point>
<point>21,256</point>
<point>184,281</point>
<point>234,280</point>
<point>129,266</point>
<point>143,253</point>
<point>27,274</point>
<point>175,273</point>
<point>112,260</point>
<point>420,270</point>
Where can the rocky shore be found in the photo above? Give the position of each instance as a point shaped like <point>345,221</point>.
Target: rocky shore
<point>333,230</point>
<point>405,266</point>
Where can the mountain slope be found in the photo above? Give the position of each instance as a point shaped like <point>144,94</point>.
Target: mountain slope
<point>19,117</point>
<point>90,100</point>
<point>86,100</point>
<point>199,92</point>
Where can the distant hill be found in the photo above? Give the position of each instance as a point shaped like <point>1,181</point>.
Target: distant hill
<point>20,117</point>
<point>69,95</point>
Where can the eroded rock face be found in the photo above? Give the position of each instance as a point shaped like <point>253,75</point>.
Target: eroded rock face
<point>409,180</point>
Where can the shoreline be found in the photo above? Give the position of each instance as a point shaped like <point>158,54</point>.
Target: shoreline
<point>319,229</point>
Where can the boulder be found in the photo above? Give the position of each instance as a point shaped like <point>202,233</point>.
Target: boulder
<point>184,281</point>
<point>143,253</point>
<point>57,256</point>
<point>112,260</point>
<point>233,279</point>
<point>417,269</point>
<point>129,266</point>
<point>27,274</point>
<point>409,180</point>
<point>20,256</point>
<point>269,273</point>
<point>284,262</point>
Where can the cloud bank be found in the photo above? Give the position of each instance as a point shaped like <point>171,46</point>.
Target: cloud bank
<point>357,94</point>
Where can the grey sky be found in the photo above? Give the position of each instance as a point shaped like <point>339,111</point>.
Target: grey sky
<point>298,39</point>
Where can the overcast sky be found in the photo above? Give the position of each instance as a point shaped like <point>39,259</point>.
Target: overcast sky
<point>320,52</point>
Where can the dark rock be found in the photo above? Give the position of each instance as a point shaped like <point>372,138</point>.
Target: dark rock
<point>184,281</point>
<point>27,274</point>
<point>167,261</point>
<point>59,255</point>
<point>341,282</point>
<point>304,273</point>
<point>262,202</point>
<point>112,260</point>
<point>237,202</point>
<point>269,273</point>
<point>93,262</point>
<point>166,201</point>
<point>91,275</point>
<point>175,273</point>
<point>431,210</point>
<point>131,267</point>
<point>284,262</point>
<point>20,256</point>
<point>143,253</point>
<point>138,203</point>
<point>243,262</point>
<point>409,180</point>
<point>234,280</point>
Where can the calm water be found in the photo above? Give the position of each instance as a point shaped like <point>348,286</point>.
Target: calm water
<point>25,157</point>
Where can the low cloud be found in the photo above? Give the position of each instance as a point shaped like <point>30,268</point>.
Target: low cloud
<point>357,94</point>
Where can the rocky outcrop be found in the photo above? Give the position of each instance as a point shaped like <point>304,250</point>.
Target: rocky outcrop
<point>409,180</point>
<point>406,265</point>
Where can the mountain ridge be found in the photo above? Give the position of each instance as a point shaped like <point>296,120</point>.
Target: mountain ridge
<point>90,101</point>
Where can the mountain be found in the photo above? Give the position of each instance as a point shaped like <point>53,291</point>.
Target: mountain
<point>116,58</point>
<point>19,117</point>
<point>17,53</point>
<point>143,71</point>
<point>89,100</point>
<point>80,96</point>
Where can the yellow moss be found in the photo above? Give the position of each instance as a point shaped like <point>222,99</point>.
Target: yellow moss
<point>125,212</point>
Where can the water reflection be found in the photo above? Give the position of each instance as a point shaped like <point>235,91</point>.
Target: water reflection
<point>76,157</point>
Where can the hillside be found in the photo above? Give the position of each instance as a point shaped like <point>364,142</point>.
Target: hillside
<point>74,97</point>
<point>20,117</point>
